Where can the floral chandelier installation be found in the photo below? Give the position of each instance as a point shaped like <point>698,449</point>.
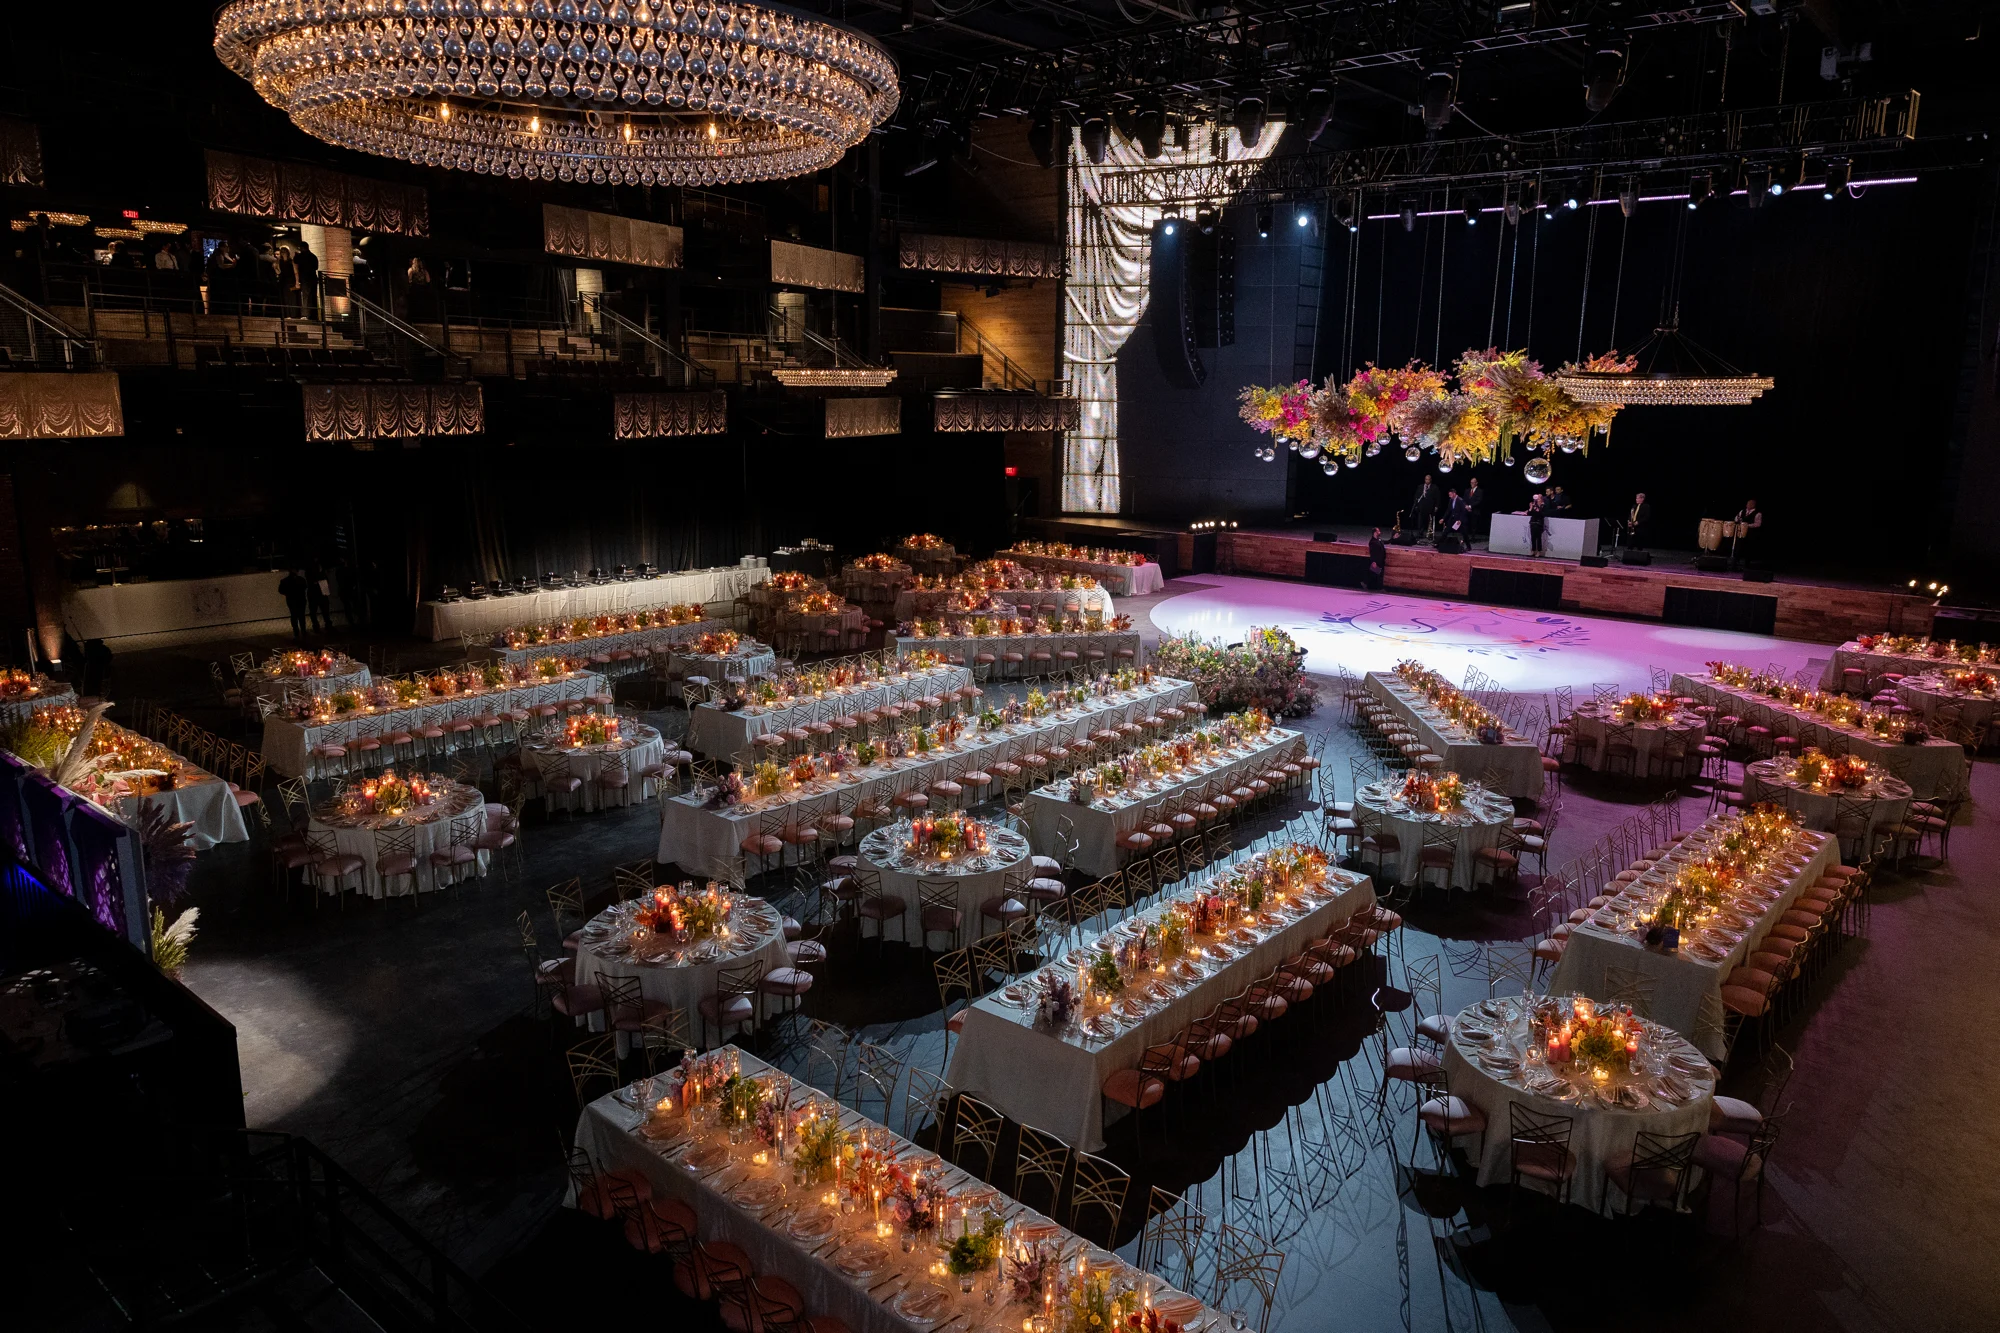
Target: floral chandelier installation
<point>672,92</point>
<point>1499,398</point>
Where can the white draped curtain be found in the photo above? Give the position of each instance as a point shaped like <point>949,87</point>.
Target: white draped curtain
<point>1108,251</point>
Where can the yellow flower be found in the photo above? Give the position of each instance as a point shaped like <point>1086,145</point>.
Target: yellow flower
<point>1096,1319</point>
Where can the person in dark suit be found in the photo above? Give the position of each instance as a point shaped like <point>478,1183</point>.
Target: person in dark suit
<point>1750,545</point>
<point>1637,521</point>
<point>1537,522</point>
<point>1423,507</point>
<point>292,588</point>
<point>1475,505</point>
<point>1557,505</point>
<point>319,598</point>
<point>1378,560</point>
<point>1454,526</point>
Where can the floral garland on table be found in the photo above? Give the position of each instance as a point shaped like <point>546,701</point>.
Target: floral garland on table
<point>881,562</point>
<point>685,912</point>
<point>1701,887</point>
<point>997,574</point>
<point>18,684</point>
<point>1644,708</point>
<point>303,663</point>
<point>923,541</point>
<point>1095,555</point>
<point>1266,671</point>
<point>1906,645</point>
<point>1433,795</point>
<point>1007,627</point>
<point>98,760</point>
<point>579,628</point>
<point>587,729</point>
<point>718,643</point>
<point>1822,772</point>
<point>791,580</point>
<point>1838,709</point>
<point>818,1143</point>
<point>1981,683</point>
<point>389,795</point>
<point>1600,1040</point>
<point>1447,698</point>
<point>820,603</point>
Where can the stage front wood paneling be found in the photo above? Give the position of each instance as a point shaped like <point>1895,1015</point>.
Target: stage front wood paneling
<point>1819,613</point>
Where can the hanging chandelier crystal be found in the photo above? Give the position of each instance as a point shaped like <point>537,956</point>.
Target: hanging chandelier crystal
<point>1673,371</point>
<point>666,93</point>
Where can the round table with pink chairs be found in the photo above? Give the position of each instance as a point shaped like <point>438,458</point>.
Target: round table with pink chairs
<point>1935,693</point>
<point>1002,867</point>
<point>366,836</point>
<point>1654,743</point>
<point>680,974</point>
<point>1482,817</point>
<point>640,746</point>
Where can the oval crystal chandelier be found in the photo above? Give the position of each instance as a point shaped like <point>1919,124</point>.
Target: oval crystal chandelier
<point>668,93</point>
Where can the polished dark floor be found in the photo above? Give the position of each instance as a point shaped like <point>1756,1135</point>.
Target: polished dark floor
<point>399,1036</point>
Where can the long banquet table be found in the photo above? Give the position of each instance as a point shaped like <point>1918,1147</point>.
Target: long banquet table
<point>1099,825</point>
<point>1518,760</point>
<point>486,615</point>
<point>1123,580</point>
<point>1687,988</point>
<point>206,801</point>
<point>22,707</point>
<point>1877,663</point>
<point>1054,1080</point>
<point>1932,769</point>
<point>723,735</point>
<point>930,602</point>
<point>967,646</point>
<point>701,838</point>
<point>288,742</point>
<point>1929,695</point>
<point>610,1134</point>
<point>656,639</point>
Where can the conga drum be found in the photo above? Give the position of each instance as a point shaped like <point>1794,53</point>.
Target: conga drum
<point>1711,533</point>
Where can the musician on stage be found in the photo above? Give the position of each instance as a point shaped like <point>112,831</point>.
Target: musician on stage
<point>1637,521</point>
<point>1424,507</point>
<point>1475,506</point>
<point>1537,522</point>
<point>1454,528</point>
<point>1751,543</point>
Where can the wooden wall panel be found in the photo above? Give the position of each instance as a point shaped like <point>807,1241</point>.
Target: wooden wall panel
<point>1019,320</point>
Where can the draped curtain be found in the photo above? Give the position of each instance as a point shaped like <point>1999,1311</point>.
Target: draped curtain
<point>60,406</point>
<point>1109,249</point>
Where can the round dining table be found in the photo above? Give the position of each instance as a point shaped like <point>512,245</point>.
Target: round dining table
<point>974,879</point>
<point>1931,694</point>
<point>640,744</point>
<point>1490,1061</point>
<point>1850,813</point>
<point>271,681</point>
<point>679,974</point>
<point>1476,825</point>
<point>365,836</point>
<point>750,660</point>
<point>1650,740</point>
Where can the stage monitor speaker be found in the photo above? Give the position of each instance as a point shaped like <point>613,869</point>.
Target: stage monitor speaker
<point>1326,538</point>
<point>1170,308</point>
<point>1756,576</point>
<point>1637,557</point>
<point>1508,587</point>
<point>1592,561</point>
<point>1337,569</point>
<point>1707,608</point>
<point>1711,564</point>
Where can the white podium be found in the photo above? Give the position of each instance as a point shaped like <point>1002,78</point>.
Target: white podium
<point>1562,538</point>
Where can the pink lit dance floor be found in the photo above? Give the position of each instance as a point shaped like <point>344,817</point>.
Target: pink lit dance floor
<point>1521,649</point>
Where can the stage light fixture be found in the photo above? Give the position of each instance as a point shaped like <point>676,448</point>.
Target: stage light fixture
<point>1096,137</point>
<point>1471,211</point>
<point>1700,186</point>
<point>1603,68</point>
<point>1440,88</point>
<point>1151,126</point>
<point>1042,138</point>
<point>1838,171</point>
<point>1304,218</point>
<point>1628,196</point>
<point>1264,220</point>
<point>1169,226</point>
<point>1317,112</point>
<point>1757,185</point>
<point>1249,119</point>
<point>1409,212</point>
<point>1346,212</point>
<point>1571,202</point>
<point>1179,130</point>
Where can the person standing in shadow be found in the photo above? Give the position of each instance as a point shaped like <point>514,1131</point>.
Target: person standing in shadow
<point>319,598</point>
<point>1378,560</point>
<point>292,588</point>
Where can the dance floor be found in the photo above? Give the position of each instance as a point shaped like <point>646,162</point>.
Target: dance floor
<point>1521,649</point>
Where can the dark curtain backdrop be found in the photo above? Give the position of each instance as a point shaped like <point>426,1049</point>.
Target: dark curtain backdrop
<point>1856,306</point>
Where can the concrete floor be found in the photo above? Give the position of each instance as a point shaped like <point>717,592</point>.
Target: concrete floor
<point>398,1036</point>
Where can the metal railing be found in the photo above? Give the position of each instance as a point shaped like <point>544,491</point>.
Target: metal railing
<point>686,372</point>
<point>783,326</point>
<point>393,338</point>
<point>40,330</point>
<point>1011,376</point>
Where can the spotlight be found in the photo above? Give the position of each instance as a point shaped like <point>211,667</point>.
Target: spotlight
<point>1169,226</point>
<point>1757,185</point>
<point>1409,212</point>
<point>1700,186</point>
<point>1344,212</point>
<point>1096,137</point>
<point>1628,196</point>
<point>1317,113</point>
<point>1264,220</point>
<point>1603,69</point>
<point>1151,127</point>
<point>1354,213</point>
<point>1571,202</point>
<point>1042,138</point>
<point>1249,119</point>
<point>1304,218</point>
<point>1471,211</point>
<point>1440,87</point>
<point>1837,172</point>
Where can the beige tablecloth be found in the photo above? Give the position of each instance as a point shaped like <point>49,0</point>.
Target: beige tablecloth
<point>1933,768</point>
<point>1123,580</point>
<point>606,1132</point>
<point>1054,1081</point>
<point>967,647</point>
<point>267,685</point>
<point>1928,696</point>
<point>1519,762</point>
<point>287,742</point>
<point>1474,828</point>
<point>641,746</point>
<point>1884,802</point>
<point>432,829</point>
<point>974,883</point>
<point>660,638</point>
<point>1687,994</point>
<point>700,839</point>
<point>1598,1132</point>
<point>931,602</point>
<point>447,620</point>
<point>1852,654</point>
<point>711,731</point>
<point>1098,826</point>
<point>681,979</point>
<point>207,803</point>
<point>1588,720</point>
<point>748,662</point>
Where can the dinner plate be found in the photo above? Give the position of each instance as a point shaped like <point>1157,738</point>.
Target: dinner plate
<point>707,1158</point>
<point>1100,1026</point>
<point>862,1258</point>
<point>665,1129</point>
<point>1175,1306</point>
<point>758,1192</point>
<point>922,1304</point>
<point>813,1225</point>
<point>1016,995</point>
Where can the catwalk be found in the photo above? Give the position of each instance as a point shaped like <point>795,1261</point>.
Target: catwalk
<point>1519,648</point>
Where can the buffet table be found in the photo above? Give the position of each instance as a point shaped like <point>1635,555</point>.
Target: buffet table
<point>360,835</point>
<point>723,735</point>
<point>1562,538</point>
<point>1490,1061</point>
<point>702,838</point>
<point>660,638</point>
<point>968,646</point>
<point>1475,826</point>
<point>1687,983</point>
<point>288,742</point>
<point>487,615</point>
<point>1098,826</point>
<point>1519,761</point>
<point>1933,768</point>
<point>1123,580</point>
<point>680,975</point>
<point>1054,1080</point>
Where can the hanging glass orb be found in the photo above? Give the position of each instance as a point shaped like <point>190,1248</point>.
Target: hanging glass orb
<point>1330,467</point>
<point>1374,449</point>
<point>1309,453</point>
<point>1413,453</point>
<point>1444,465</point>
<point>1537,470</point>
<point>1352,461</point>
<point>1507,460</point>
<point>1569,444</point>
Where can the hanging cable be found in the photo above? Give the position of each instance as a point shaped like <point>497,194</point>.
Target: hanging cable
<point>1353,294</point>
<point>1513,272</point>
<point>1499,253</point>
<point>1423,287</point>
<point>1618,289</point>
<point>1589,256</point>
<point>1534,256</point>
<point>1381,273</point>
<point>1437,344</point>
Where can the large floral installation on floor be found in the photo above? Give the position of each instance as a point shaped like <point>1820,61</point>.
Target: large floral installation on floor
<point>1475,414</point>
<point>1267,670</point>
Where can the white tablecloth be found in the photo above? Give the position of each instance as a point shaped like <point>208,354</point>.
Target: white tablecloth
<point>1474,828</point>
<point>1927,696</point>
<point>757,932</point>
<point>1007,855</point>
<point>606,1133</point>
<point>1054,1081</point>
<point>1852,654</point>
<point>1098,826</point>
<point>20,710</point>
<point>967,647</point>
<point>700,840</point>
<point>1598,1132</point>
<point>433,834</point>
<point>1886,800</point>
<point>1122,580</point>
<point>711,731</point>
<point>1933,768</point>
<point>447,620</point>
<point>207,803</point>
<point>1647,737</point>
<point>747,663</point>
<point>1687,991</point>
<point>641,746</point>
<point>262,685</point>
<point>930,602</point>
<point>656,640</point>
<point>1519,762</point>
<point>287,742</point>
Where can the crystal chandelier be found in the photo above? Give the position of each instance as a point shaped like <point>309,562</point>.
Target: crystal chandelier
<point>662,93</point>
<point>1673,372</point>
